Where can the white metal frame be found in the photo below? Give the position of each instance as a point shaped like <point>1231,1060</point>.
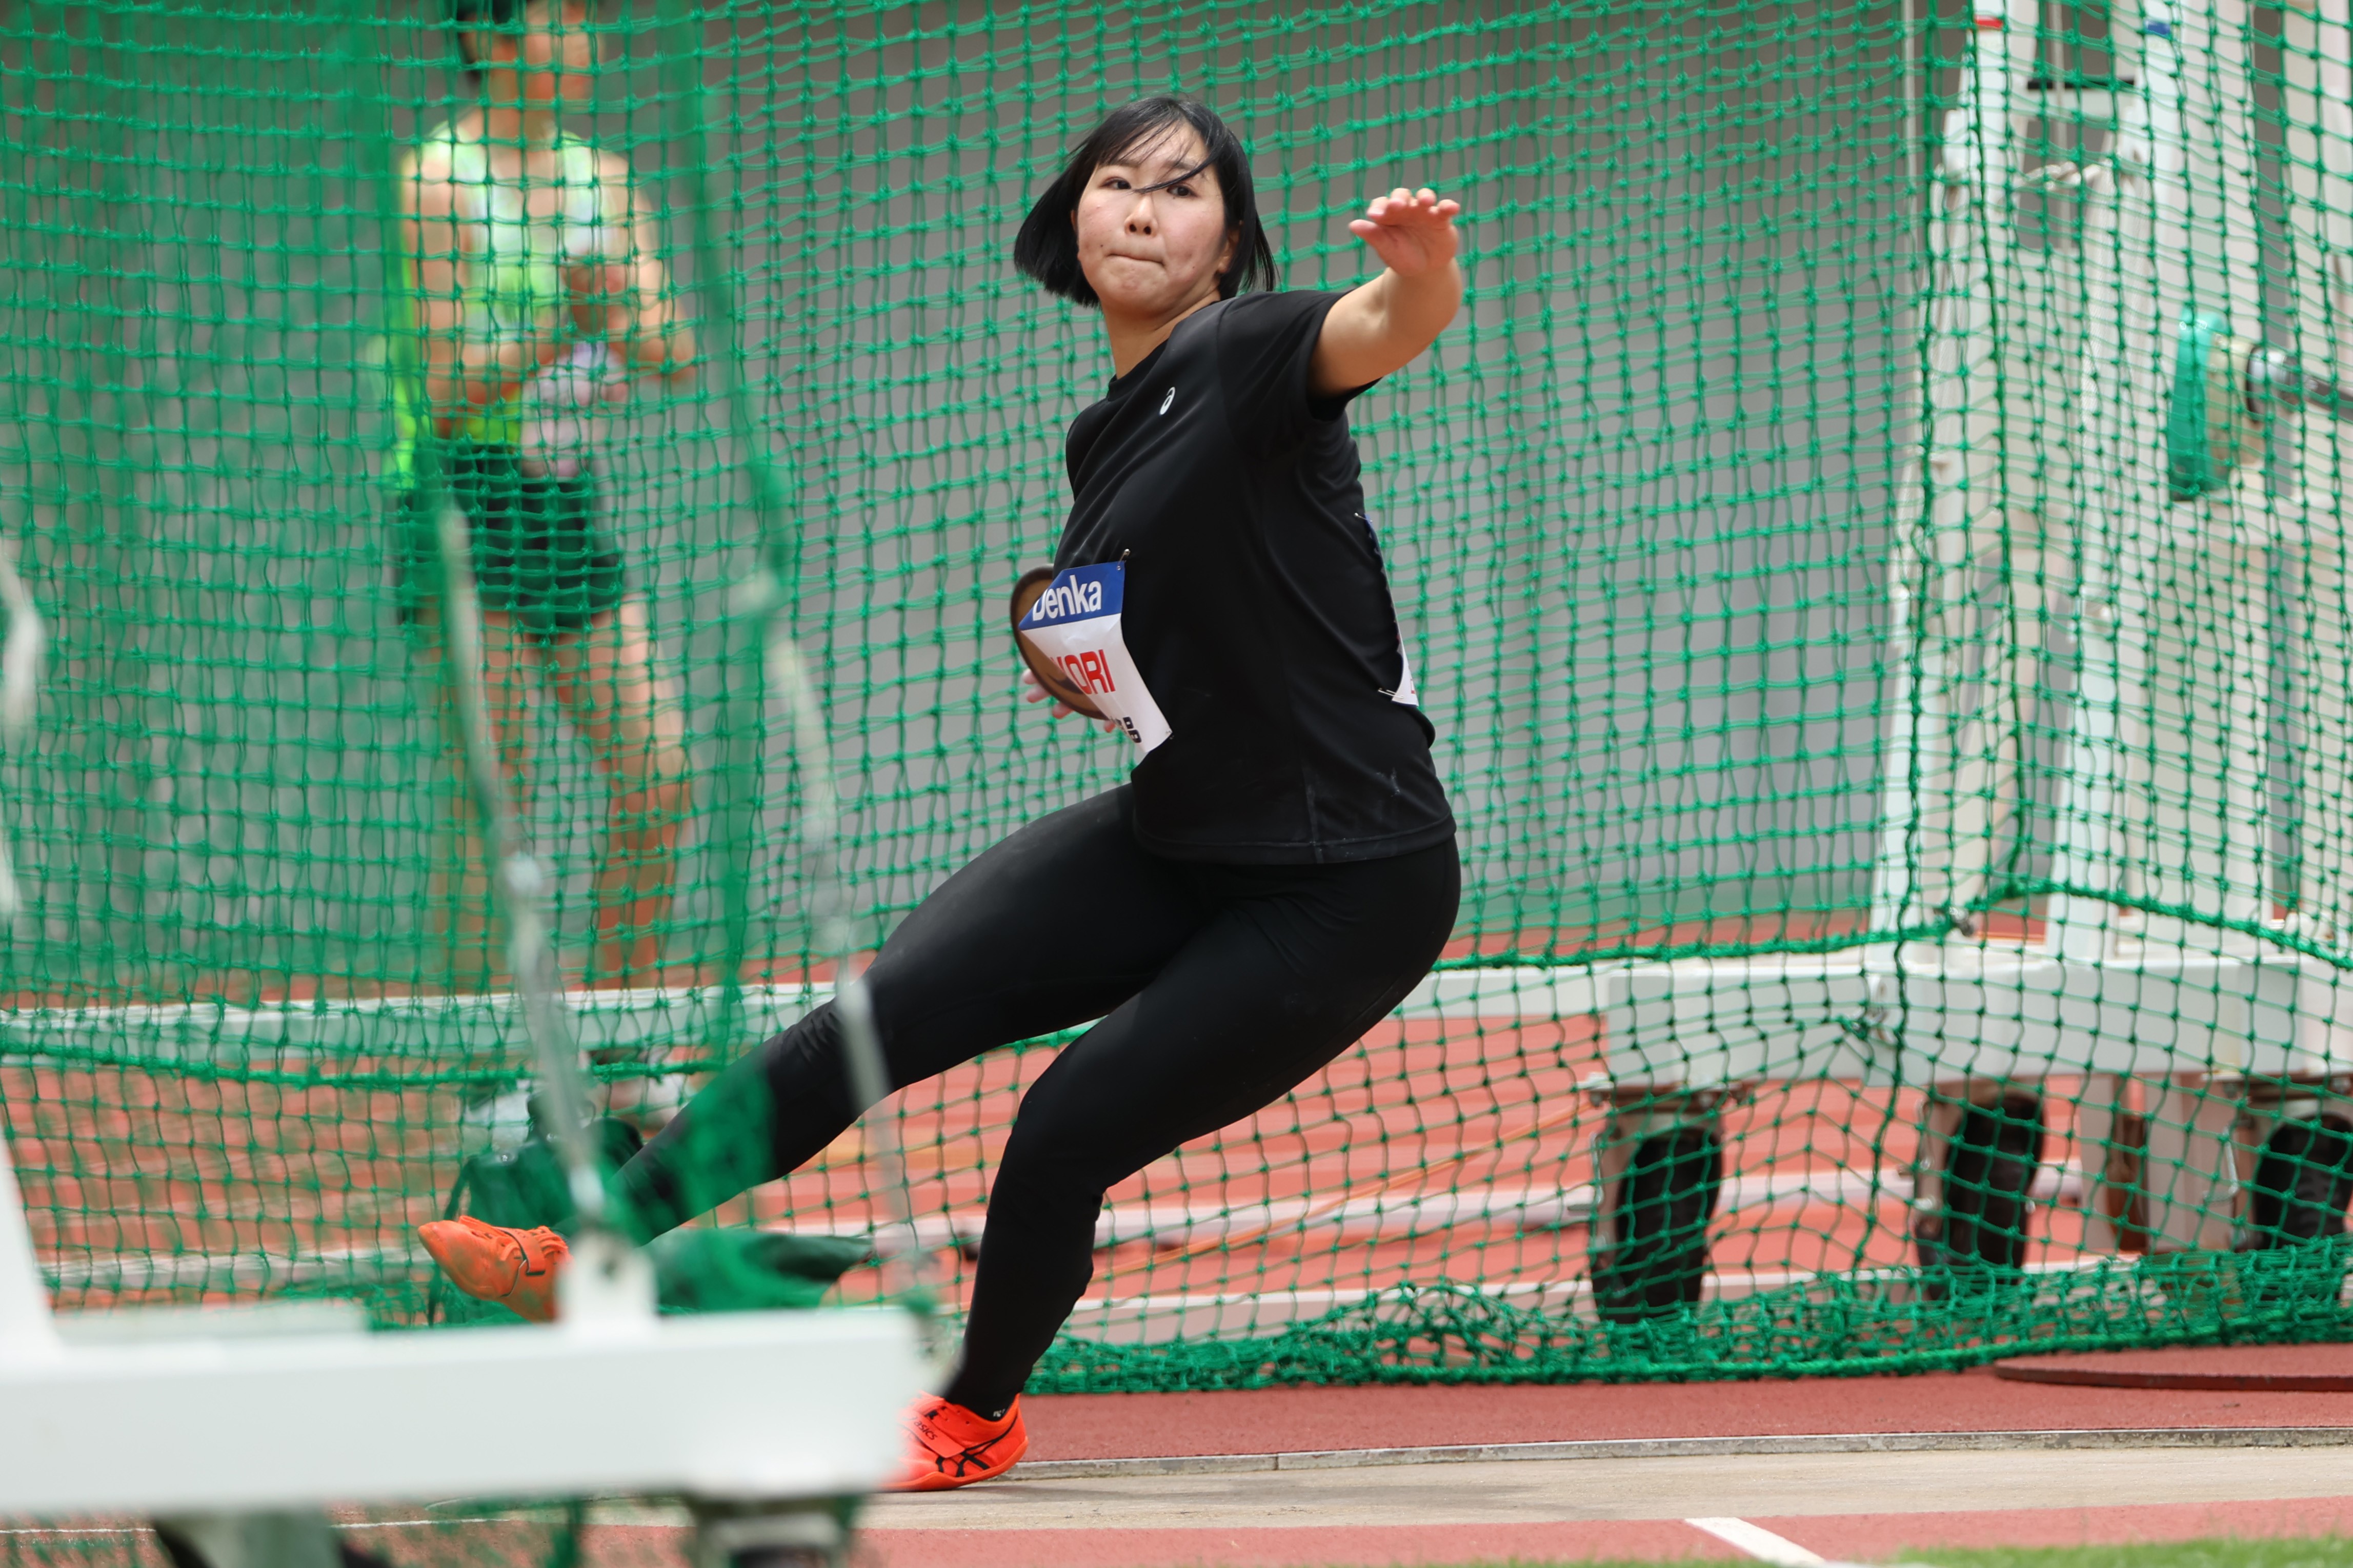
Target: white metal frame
<point>203,1422</point>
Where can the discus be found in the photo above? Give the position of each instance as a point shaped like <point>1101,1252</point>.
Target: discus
<point>1051,676</point>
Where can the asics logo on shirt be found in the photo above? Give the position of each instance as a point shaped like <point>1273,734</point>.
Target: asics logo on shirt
<point>1168,400</point>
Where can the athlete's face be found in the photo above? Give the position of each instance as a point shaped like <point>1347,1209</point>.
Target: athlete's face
<point>546,61</point>
<point>1154,253</point>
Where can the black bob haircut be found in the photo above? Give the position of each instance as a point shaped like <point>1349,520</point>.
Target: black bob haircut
<point>1047,248</point>
<point>469,16</point>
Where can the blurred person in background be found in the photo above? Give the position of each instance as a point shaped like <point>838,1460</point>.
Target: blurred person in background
<point>540,296</point>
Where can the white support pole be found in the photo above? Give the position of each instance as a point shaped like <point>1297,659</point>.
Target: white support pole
<point>27,1329</point>
<point>2311,525</point>
<point>2117,405</point>
<point>1971,604</point>
<point>2163,807</point>
<point>2189,1166</point>
<point>2164,797</point>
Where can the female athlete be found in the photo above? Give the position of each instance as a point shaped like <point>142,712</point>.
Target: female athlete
<point>540,293</point>
<point>1280,870</point>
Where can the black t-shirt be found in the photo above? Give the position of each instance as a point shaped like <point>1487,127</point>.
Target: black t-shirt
<point>1256,609</point>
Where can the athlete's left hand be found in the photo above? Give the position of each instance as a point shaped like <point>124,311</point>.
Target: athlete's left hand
<point>604,299</point>
<point>1037,692</point>
<point>1411,231</point>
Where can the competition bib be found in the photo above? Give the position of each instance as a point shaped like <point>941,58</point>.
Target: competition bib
<point>1069,634</point>
<point>1404,695</point>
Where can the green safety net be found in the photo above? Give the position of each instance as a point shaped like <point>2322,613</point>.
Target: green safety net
<point>1900,736</point>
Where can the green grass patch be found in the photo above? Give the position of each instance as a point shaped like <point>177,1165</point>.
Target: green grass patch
<point>2332,1551</point>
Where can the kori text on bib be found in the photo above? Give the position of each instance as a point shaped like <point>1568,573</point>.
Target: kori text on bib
<point>1075,623</point>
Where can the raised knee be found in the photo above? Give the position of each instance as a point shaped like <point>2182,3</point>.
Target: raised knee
<point>1059,1163</point>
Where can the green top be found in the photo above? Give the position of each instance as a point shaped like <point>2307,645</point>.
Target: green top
<point>511,260</point>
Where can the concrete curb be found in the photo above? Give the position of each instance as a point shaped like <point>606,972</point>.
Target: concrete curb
<point>1688,1447</point>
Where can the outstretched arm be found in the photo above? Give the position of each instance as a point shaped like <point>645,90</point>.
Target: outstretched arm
<point>1381,326</point>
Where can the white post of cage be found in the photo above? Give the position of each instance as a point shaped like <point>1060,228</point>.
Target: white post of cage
<point>236,1427</point>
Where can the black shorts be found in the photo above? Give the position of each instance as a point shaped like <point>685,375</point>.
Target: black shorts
<point>537,552</point>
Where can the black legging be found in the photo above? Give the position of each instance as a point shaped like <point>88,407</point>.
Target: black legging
<point>1220,988</point>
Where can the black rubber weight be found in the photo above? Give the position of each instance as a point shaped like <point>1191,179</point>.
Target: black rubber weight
<point>1989,1177</point>
<point>2302,1182</point>
<point>1657,1260</point>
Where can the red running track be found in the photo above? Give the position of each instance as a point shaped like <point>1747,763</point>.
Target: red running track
<point>1284,1420</point>
<point>1073,1427</point>
<point>1860,1537</point>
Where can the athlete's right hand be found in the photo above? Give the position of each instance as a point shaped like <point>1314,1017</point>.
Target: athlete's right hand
<point>1037,692</point>
<point>487,372</point>
<point>605,298</point>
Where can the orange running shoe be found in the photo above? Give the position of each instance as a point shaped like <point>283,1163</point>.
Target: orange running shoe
<point>516,1268</point>
<point>952,1447</point>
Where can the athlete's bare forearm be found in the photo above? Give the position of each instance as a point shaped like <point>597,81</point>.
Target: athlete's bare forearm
<point>1406,313</point>
<point>463,378</point>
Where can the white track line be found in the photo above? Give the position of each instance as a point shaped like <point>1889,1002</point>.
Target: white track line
<point>1760,1543</point>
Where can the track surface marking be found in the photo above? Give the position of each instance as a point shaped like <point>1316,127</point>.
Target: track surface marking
<point>1759,1542</point>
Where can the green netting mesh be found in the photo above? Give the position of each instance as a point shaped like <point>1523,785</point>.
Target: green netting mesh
<point>1903,795</point>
